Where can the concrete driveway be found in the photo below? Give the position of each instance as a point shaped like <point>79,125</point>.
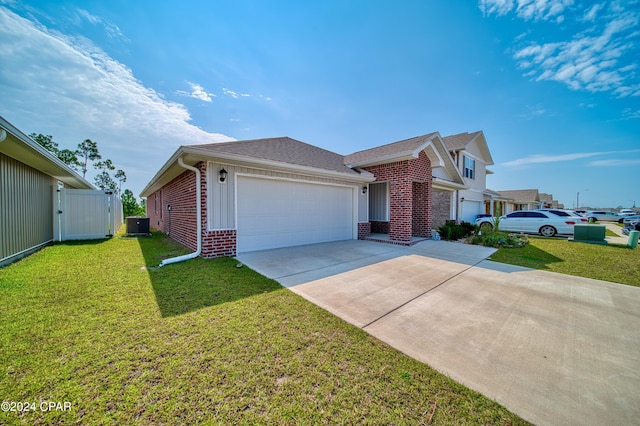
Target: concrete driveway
<point>552,348</point>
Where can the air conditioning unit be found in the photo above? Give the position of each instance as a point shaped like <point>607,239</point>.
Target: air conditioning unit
<point>138,225</point>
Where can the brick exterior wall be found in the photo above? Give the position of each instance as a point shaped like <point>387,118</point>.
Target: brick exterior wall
<point>410,196</point>
<point>219,243</point>
<point>441,207</point>
<point>364,230</point>
<point>180,223</point>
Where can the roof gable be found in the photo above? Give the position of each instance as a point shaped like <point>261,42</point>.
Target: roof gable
<point>468,141</point>
<point>396,151</point>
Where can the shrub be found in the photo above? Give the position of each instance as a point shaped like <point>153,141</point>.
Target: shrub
<point>452,231</point>
<point>500,239</point>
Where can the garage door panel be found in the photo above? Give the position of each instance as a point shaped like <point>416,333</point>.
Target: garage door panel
<point>278,213</point>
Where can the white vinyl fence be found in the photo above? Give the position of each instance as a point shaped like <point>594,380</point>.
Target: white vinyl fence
<point>84,214</point>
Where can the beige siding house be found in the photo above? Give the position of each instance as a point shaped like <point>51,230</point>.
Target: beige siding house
<point>471,155</point>
<point>29,175</point>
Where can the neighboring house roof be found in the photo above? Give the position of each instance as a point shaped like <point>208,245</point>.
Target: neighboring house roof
<point>284,150</point>
<point>545,197</point>
<point>495,194</point>
<point>21,147</point>
<point>522,196</point>
<point>462,141</point>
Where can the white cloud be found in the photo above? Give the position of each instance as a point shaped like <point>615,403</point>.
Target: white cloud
<point>533,111</point>
<point>630,114</point>
<point>588,62</point>
<point>594,59</point>
<point>538,159</point>
<point>234,95</point>
<point>197,92</point>
<point>112,30</point>
<point>533,159</point>
<point>619,162</point>
<point>69,88</point>
<point>542,10</point>
<point>527,9</point>
<point>592,12</point>
<point>499,7</point>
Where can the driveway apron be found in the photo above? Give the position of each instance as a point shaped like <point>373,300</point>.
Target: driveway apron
<point>552,348</point>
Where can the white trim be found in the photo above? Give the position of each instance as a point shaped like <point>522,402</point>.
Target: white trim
<point>473,156</point>
<point>221,229</point>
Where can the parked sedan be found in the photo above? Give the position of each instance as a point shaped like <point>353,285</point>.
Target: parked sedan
<point>533,221</point>
<point>627,220</point>
<point>603,216</point>
<point>565,213</point>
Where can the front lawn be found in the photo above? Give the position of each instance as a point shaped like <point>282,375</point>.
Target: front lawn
<point>91,325</point>
<point>613,263</point>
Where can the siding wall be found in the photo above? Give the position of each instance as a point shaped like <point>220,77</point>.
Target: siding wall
<point>26,208</point>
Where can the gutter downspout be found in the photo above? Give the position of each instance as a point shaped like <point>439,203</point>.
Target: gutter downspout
<point>198,218</point>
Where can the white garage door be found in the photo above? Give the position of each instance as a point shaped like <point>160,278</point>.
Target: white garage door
<point>470,210</point>
<point>277,213</point>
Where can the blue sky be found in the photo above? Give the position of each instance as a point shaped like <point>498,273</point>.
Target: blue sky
<point>554,84</point>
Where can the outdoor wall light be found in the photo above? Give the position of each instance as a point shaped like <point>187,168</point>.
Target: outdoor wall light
<point>364,189</point>
<point>462,200</point>
<point>223,175</point>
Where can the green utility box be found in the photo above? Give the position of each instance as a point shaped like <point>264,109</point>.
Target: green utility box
<point>633,239</point>
<point>589,234</point>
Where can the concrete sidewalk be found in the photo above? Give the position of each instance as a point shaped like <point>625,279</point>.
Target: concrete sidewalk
<point>552,348</point>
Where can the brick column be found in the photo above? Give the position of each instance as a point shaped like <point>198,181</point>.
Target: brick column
<point>401,209</point>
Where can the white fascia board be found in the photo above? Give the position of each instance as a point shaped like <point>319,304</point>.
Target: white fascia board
<point>435,162</point>
<point>38,157</point>
<point>440,183</point>
<point>406,155</point>
<point>445,156</point>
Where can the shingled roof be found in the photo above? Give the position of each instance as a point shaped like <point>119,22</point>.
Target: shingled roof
<point>522,195</point>
<point>459,141</point>
<point>283,150</point>
<point>396,149</point>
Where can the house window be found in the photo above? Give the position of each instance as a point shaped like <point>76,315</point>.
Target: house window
<point>379,201</point>
<point>469,168</point>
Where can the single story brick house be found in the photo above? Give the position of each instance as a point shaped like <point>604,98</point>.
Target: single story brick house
<point>278,192</point>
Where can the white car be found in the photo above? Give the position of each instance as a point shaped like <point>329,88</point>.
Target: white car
<point>603,216</point>
<point>544,223</point>
<point>627,212</point>
<point>627,220</point>
<point>565,213</point>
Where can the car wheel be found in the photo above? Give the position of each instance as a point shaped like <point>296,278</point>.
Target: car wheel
<point>592,220</point>
<point>486,226</point>
<point>547,231</point>
<point>621,221</point>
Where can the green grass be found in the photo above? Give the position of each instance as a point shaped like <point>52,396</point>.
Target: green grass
<point>614,263</point>
<point>200,342</point>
